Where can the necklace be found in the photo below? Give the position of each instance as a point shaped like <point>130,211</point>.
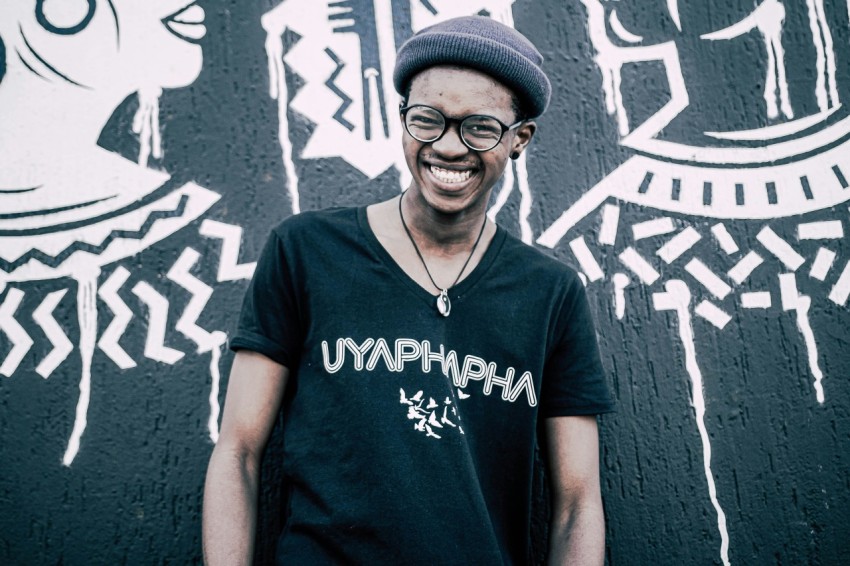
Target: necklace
<point>444,305</point>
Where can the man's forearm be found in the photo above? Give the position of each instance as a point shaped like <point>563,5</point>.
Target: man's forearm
<point>230,504</point>
<point>577,537</point>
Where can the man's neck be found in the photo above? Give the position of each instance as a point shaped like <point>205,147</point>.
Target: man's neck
<point>447,248</point>
<point>439,233</point>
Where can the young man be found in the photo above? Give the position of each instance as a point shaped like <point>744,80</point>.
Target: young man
<point>416,349</point>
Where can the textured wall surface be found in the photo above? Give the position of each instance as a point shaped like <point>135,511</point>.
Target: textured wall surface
<point>694,166</point>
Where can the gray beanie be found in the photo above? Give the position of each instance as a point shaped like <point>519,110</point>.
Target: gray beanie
<point>483,44</point>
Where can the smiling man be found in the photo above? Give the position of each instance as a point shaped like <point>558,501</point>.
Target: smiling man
<point>417,350</point>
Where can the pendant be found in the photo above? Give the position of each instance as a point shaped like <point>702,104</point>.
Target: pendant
<point>444,305</point>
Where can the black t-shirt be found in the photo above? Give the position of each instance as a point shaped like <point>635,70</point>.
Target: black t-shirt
<point>409,437</point>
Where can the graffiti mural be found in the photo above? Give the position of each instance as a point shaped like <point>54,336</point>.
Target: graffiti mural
<point>345,55</point>
<point>785,168</point>
<point>72,210</point>
<point>694,166</point>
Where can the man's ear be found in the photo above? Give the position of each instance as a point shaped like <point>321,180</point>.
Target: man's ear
<point>522,137</point>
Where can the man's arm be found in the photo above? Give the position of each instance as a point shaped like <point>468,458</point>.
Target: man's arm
<point>577,529</point>
<point>254,395</point>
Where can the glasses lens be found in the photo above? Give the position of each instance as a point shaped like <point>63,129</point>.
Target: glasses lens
<point>481,132</point>
<point>423,123</point>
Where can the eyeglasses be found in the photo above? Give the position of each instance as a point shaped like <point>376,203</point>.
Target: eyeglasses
<point>477,131</point>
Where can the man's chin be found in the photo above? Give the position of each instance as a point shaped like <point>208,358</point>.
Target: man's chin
<point>452,203</point>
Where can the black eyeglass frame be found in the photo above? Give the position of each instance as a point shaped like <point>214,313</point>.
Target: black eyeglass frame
<point>448,121</point>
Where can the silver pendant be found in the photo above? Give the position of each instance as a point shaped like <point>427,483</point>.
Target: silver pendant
<point>444,305</point>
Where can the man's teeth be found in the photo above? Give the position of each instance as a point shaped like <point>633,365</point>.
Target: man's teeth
<point>447,176</point>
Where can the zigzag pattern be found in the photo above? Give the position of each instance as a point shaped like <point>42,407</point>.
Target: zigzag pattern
<point>95,249</point>
<point>155,347</point>
<point>229,268</point>
<point>62,346</point>
<point>346,100</point>
<point>108,342</point>
<point>187,324</point>
<point>21,341</point>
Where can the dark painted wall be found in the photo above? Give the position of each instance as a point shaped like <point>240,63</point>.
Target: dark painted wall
<point>708,211</point>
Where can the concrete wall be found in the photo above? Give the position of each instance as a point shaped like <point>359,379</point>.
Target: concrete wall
<point>694,165</point>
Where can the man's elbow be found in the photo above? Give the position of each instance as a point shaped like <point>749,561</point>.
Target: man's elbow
<point>584,499</point>
<point>234,457</point>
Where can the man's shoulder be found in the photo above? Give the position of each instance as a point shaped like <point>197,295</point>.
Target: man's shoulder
<point>314,221</point>
<point>536,264</point>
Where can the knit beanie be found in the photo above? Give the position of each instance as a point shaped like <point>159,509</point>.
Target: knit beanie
<point>483,44</point>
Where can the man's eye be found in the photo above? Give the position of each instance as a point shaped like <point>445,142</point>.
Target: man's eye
<point>424,122</point>
<point>482,129</point>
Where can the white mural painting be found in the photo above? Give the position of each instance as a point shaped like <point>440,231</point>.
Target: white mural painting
<point>74,213</point>
<point>71,210</point>
<point>345,54</point>
<point>767,18</point>
<point>796,164</point>
<point>677,298</point>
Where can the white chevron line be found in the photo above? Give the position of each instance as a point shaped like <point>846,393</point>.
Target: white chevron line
<point>187,324</point>
<point>108,342</point>
<point>229,268</point>
<point>201,293</point>
<point>62,346</point>
<point>155,347</point>
<point>21,341</point>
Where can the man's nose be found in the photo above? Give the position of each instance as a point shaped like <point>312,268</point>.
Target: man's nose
<point>450,145</point>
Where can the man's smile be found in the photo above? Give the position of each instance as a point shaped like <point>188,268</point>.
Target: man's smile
<point>450,176</point>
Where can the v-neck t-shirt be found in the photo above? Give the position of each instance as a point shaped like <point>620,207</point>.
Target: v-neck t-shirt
<point>409,437</point>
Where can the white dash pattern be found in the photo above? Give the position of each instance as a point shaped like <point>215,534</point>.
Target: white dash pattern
<point>639,266</point>
<point>585,258</point>
<point>679,244</point>
<point>708,279</point>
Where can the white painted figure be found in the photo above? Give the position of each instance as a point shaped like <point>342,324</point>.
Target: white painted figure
<point>610,58</point>
<point>70,65</point>
<point>796,163</point>
<point>68,207</point>
<point>767,18</point>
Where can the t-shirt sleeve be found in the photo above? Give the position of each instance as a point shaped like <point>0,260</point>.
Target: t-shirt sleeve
<point>573,378</point>
<point>270,322</point>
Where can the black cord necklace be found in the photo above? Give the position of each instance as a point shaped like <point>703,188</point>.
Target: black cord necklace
<point>444,305</point>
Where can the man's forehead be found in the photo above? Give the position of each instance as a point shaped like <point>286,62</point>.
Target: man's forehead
<point>453,84</point>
